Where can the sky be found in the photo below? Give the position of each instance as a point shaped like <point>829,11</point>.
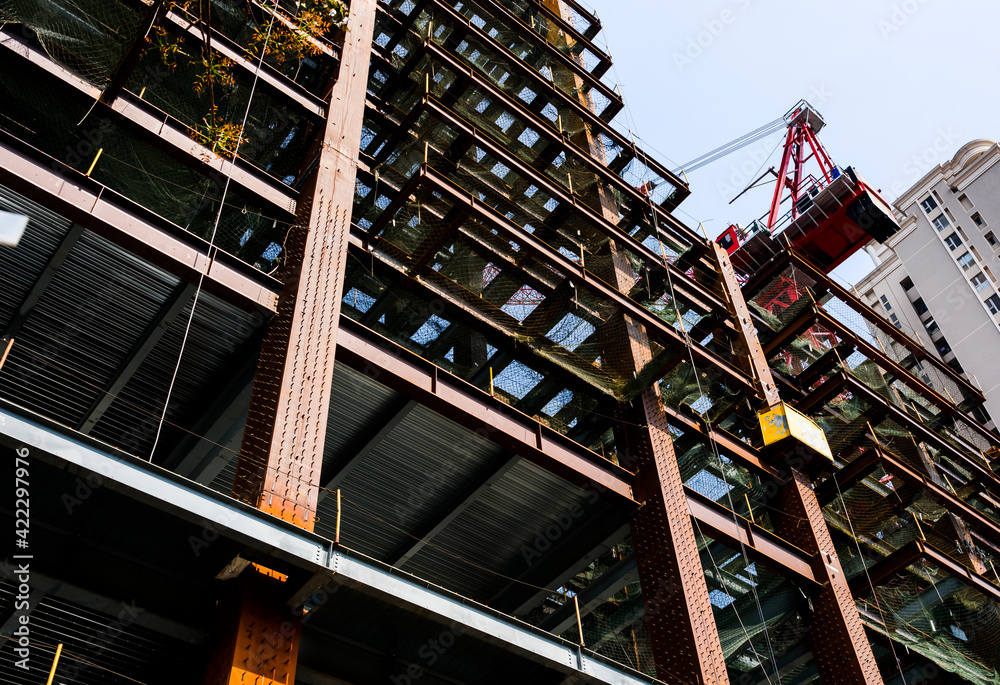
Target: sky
<point>902,85</point>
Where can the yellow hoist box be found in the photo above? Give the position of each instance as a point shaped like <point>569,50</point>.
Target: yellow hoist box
<point>781,422</point>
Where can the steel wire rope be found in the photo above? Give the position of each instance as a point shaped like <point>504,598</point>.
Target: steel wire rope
<point>212,250</point>
<point>756,173</point>
<point>714,445</point>
<point>454,556</point>
<point>715,449</point>
<point>734,145</point>
<point>861,557</point>
<point>732,600</point>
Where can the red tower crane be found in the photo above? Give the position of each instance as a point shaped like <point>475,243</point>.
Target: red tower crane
<point>831,212</point>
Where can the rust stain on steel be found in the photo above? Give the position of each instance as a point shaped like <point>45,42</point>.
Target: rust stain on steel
<point>282,453</point>
<point>749,347</point>
<point>836,635</point>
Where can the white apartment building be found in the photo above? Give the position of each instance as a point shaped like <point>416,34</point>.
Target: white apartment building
<point>936,278</point>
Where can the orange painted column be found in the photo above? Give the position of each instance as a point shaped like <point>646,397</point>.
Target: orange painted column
<point>281,458</point>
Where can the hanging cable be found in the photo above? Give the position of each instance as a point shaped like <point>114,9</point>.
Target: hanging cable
<point>212,249</point>
<point>861,557</point>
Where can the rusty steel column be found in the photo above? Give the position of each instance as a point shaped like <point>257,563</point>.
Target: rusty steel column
<point>836,635</point>
<point>684,639</point>
<point>683,635</point>
<point>678,611</point>
<point>282,453</point>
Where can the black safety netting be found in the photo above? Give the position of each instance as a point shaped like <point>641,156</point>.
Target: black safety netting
<point>937,615</point>
<point>135,167</point>
<point>211,97</point>
<point>484,353</point>
<point>441,67</point>
<point>612,615</point>
<point>297,39</point>
<point>88,37</point>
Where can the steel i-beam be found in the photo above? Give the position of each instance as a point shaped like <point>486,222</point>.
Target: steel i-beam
<point>282,453</point>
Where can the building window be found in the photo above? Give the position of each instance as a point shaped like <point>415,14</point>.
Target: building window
<point>885,303</point>
<point>906,284</point>
<point>965,202</point>
<point>953,241</point>
<point>978,219</point>
<point>932,327</point>
<point>919,305</point>
<point>966,261</point>
<point>993,303</point>
<point>991,239</point>
<point>941,222</point>
<point>929,205</point>
<point>895,321</point>
<point>980,282</point>
<point>943,347</point>
<point>955,365</point>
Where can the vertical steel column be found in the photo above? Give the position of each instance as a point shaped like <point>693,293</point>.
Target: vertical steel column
<point>258,638</point>
<point>836,635</point>
<point>281,457</point>
<point>683,635</point>
<point>282,453</point>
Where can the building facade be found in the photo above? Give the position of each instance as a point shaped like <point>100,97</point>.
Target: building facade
<point>355,345</point>
<point>936,279</point>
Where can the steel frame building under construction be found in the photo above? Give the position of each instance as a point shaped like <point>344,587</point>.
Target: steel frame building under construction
<point>366,350</point>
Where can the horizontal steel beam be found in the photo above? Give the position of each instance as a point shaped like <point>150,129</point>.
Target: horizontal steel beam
<point>164,131</point>
<point>907,555</point>
<point>824,319</point>
<point>377,357</point>
<point>267,74</point>
<point>663,217</point>
<point>877,456</point>
<point>480,621</point>
<point>686,287</point>
<point>271,536</point>
<point>745,454</point>
<point>94,207</point>
<point>163,490</point>
<point>762,545</point>
<point>923,433</point>
<point>657,329</point>
<point>801,263</point>
<point>460,22</point>
<point>572,33</point>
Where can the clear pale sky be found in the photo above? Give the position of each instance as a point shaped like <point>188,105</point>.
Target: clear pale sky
<point>902,86</point>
